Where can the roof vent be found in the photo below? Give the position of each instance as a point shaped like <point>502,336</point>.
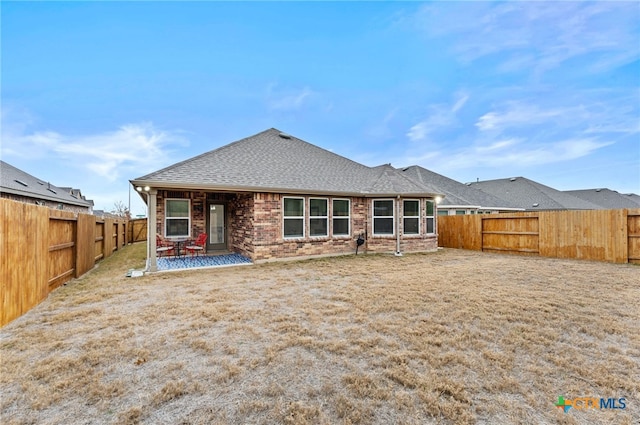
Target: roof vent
<point>39,182</point>
<point>512,179</point>
<point>284,136</point>
<point>536,204</point>
<point>598,190</point>
<point>468,184</point>
<point>49,188</point>
<point>21,182</point>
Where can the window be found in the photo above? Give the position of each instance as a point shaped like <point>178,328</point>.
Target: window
<point>318,217</point>
<point>293,218</point>
<point>177,217</point>
<point>430,218</point>
<point>341,217</point>
<point>411,214</point>
<point>460,212</point>
<point>442,212</point>
<point>383,217</point>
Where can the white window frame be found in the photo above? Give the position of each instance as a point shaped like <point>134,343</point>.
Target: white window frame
<point>318,217</point>
<point>284,217</point>
<point>188,218</point>
<point>341,217</point>
<point>392,217</point>
<point>404,216</point>
<point>430,217</point>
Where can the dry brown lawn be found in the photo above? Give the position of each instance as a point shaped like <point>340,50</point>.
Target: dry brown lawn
<point>450,337</point>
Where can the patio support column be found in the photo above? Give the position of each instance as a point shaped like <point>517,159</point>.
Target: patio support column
<point>151,222</point>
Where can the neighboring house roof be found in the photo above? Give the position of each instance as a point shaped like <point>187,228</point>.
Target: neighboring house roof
<point>272,161</point>
<point>17,182</point>
<point>605,198</point>
<point>532,195</point>
<point>105,214</point>
<point>457,194</point>
<point>634,197</point>
<point>76,193</point>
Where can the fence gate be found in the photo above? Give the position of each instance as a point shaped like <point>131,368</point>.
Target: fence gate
<point>513,234</point>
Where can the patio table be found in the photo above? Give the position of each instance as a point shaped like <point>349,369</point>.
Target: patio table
<point>179,245</point>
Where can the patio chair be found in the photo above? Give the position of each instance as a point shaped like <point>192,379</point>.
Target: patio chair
<point>164,247</point>
<point>198,246</point>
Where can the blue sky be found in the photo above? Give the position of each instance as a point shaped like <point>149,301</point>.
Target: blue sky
<point>97,93</point>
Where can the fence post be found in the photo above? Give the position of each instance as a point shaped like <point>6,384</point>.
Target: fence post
<point>85,243</point>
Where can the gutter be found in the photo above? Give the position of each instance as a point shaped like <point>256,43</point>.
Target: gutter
<point>194,186</point>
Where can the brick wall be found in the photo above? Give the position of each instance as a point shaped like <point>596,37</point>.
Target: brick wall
<point>240,226</point>
<point>255,221</point>
<point>269,243</point>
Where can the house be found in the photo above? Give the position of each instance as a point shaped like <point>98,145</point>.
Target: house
<point>23,187</point>
<point>459,198</point>
<point>606,199</point>
<point>272,196</point>
<point>531,195</point>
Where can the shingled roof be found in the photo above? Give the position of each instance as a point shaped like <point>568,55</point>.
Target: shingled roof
<point>605,198</point>
<point>532,195</point>
<point>272,161</point>
<point>457,194</point>
<point>17,182</point>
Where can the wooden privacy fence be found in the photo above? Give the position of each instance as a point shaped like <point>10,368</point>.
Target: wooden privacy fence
<point>44,248</point>
<point>601,235</point>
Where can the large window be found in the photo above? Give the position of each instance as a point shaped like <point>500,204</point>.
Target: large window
<point>293,218</point>
<point>411,214</point>
<point>341,217</point>
<point>177,217</point>
<point>318,217</point>
<point>430,218</point>
<point>383,217</point>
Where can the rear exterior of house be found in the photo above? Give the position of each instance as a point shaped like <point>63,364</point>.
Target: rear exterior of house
<point>268,226</point>
<point>272,196</point>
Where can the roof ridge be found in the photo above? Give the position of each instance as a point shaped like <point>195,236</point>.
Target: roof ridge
<point>194,158</point>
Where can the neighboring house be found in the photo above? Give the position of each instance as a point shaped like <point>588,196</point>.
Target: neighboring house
<point>459,198</point>
<point>272,196</point>
<point>531,195</point>
<point>77,193</point>
<point>106,214</point>
<point>606,199</point>
<point>23,187</point>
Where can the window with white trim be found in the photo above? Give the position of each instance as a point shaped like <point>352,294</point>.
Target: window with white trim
<point>318,217</point>
<point>383,217</point>
<point>411,217</point>
<point>341,217</point>
<point>430,218</point>
<point>293,226</point>
<point>177,217</point>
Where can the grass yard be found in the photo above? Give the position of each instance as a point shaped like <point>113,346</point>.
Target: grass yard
<point>451,337</point>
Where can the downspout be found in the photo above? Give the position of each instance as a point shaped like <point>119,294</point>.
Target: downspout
<point>398,253</point>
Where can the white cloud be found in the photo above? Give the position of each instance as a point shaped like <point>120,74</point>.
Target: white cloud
<point>516,114</point>
<point>536,36</point>
<point>137,148</point>
<point>287,99</point>
<point>441,116</point>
